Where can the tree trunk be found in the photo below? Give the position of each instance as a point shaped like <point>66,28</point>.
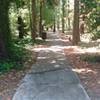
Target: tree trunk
<point>30,14</point>
<point>54,28</point>
<point>5,37</point>
<point>82,24</point>
<point>33,19</point>
<point>68,8</point>
<point>76,35</point>
<point>3,50</point>
<point>41,17</point>
<point>58,22</point>
<point>63,24</point>
<point>69,26</point>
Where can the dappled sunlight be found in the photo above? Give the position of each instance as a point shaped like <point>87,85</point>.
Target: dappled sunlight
<point>73,49</point>
<point>84,71</point>
<point>87,71</point>
<point>57,66</point>
<point>43,57</point>
<point>90,78</point>
<point>49,40</point>
<point>54,48</point>
<point>53,61</point>
<point>85,46</point>
<point>54,44</point>
<point>79,50</point>
<point>92,50</point>
<point>90,44</point>
<point>38,36</point>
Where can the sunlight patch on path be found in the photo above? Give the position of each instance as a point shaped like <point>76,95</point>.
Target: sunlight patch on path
<point>51,78</point>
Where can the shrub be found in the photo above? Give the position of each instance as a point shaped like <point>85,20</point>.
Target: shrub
<point>15,61</point>
<point>91,58</point>
<point>96,35</point>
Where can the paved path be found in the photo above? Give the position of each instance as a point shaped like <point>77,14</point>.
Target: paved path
<point>51,77</point>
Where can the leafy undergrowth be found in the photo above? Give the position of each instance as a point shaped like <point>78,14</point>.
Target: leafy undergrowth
<point>12,70</point>
<point>18,54</point>
<point>92,58</point>
<point>15,60</point>
<point>86,63</point>
<point>10,80</point>
<point>29,41</point>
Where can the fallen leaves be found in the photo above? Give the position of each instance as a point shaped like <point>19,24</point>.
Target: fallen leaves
<point>89,73</point>
<point>10,81</point>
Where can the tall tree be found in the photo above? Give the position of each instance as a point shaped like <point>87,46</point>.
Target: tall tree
<point>68,8</point>
<point>5,36</point>
<point>54,26</point>
<point>41,16</point>
<point>63,15</point>
<point>33,19</point>
<point>76,35</point>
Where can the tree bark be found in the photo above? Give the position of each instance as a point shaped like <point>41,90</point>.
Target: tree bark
<point>82,24</point>
<point>54,28</point>
<point>30,14</point>
<point>63,23</point>
<point>3,50</point>
<point>69,26</point>
<point>76,35</point>
<point>68,8</point>
<point>5,37</point>
<point>41,17</point>
<point>34,19</point>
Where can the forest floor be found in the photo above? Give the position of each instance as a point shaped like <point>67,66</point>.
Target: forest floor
<point>88,71</point>
<point>9,81</point>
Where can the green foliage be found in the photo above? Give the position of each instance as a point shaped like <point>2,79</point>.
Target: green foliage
<point>18,55</point>
<point>48,17</point>
<point>91,58</point>
<point>13,19</point>
<point>6,66</point>
<point>96,35</point>
<point>14,12</point>
<point>27,41</point>
<point>23,42</point>
<point>92,12</point>
<point>16,59</point>
<point>52,3</point>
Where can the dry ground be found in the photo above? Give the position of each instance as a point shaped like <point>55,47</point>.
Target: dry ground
<point>88,72</point>
<point>10,81</point>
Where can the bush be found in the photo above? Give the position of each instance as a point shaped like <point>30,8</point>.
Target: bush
<point>96,35</point>
<point>16,59</point>
<point>91,58</point>
<point>6,66</point>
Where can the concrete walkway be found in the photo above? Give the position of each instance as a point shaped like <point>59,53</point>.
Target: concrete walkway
<point>51,77</point>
